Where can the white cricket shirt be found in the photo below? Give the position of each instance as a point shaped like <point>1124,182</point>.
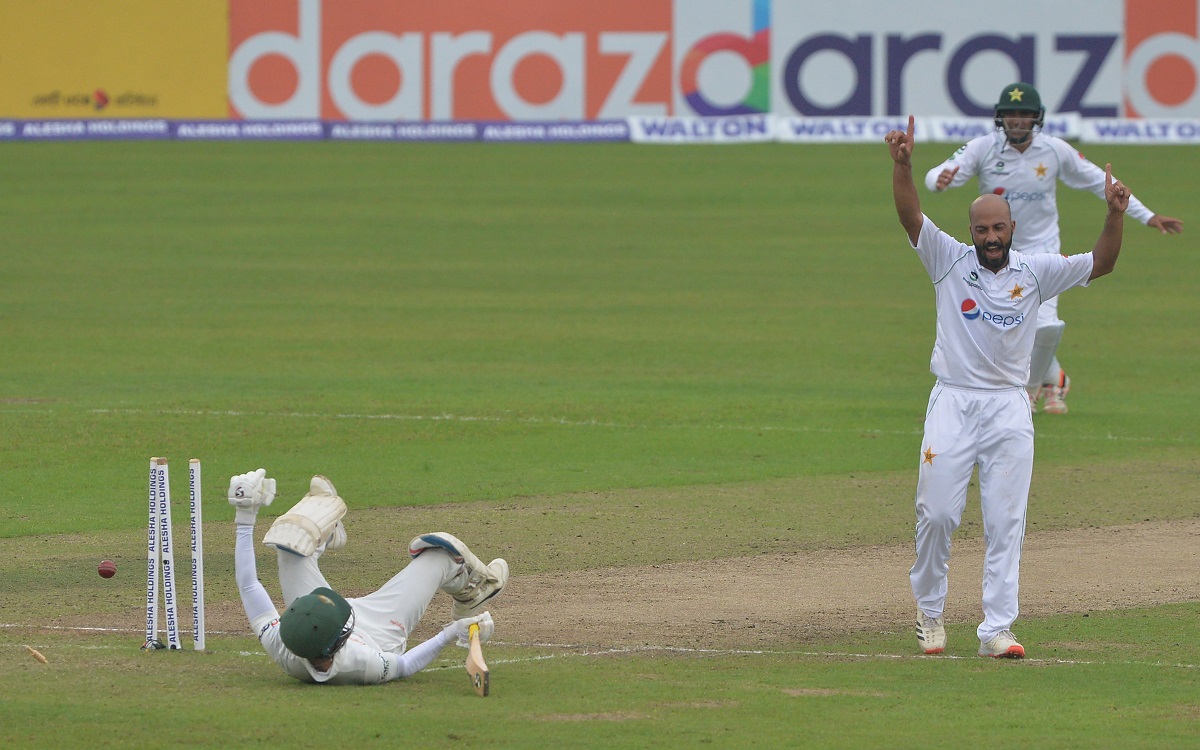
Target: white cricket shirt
<point>1029,182</point>
<point>986,321</point>
<point>359,662</point>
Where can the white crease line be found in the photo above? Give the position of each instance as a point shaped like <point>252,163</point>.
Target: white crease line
<point>575,423</point>
<point>1109,437</point>
<point>764,652</point>
<point>496,420</point>
<point>619,650</point>
<point>82,629</point>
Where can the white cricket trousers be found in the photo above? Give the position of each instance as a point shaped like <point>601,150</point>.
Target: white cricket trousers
<point>964,429</point>
<point>389,614</point>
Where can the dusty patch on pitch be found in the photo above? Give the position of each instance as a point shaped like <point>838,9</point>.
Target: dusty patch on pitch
<point>771,600</point>
<point>700,704</point>
<point>826,692</point>
<point>611,716</point>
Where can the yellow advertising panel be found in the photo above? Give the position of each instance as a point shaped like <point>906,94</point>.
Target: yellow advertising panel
<point>113,58</point>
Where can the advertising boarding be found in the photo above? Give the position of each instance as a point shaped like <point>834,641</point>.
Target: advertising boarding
<point>549,60</point>
<point>670,71</point>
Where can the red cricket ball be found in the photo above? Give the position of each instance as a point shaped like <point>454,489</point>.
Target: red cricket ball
<point>107,569</point>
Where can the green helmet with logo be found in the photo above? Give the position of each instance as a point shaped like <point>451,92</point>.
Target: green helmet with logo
<point>317,624</point>
<point>1019,97</point>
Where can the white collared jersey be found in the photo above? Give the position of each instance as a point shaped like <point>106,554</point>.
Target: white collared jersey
<point>359,662</point>
<point>986,321</point>
<point>1029,182</point>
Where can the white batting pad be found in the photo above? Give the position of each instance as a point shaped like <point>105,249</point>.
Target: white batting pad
<point>310,521</point>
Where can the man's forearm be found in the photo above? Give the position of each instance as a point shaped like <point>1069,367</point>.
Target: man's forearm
<point>255,599</point>
<point>908,203</point>
<point>416,659</point>
<point>1108,245</point>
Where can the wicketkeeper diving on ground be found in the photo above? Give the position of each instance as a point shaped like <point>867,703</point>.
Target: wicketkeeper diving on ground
<point>326,638</point>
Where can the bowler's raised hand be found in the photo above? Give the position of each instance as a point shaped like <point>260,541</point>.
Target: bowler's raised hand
<point>901,143</point>
<point>1115,192</point>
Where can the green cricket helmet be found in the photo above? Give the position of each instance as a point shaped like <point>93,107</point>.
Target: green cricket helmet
<point>317,624</point>
<point>1019,97</point>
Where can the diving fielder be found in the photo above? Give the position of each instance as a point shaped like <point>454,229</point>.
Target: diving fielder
<point>1024,166</point>
<point>986,299</point>
<point>328,639</point>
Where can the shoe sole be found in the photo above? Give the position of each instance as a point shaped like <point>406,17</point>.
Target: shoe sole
<point>1013,652</point>
<point>932,651</point>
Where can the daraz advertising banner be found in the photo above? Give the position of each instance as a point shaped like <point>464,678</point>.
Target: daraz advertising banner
<point>668,71</point>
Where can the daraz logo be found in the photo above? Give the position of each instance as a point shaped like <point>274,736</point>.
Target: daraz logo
<point>755,50</point>
<point>467,59</point>
<point>484,60</point>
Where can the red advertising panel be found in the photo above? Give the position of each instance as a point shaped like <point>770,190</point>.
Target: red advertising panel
<point>1162,58</point>
<point>391,60</point>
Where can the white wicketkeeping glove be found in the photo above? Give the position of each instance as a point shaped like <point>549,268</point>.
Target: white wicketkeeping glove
<point>458,629</point>
<point>249,492</point>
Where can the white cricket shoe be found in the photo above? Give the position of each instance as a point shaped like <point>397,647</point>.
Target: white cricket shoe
<point>475,584</point>
<point>1003,646</point>
<point>1056,394</point>
<point>931,633</point>
<point>480,588</point>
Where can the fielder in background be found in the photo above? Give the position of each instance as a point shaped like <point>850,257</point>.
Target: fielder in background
<point>1023,165</point>
<point>326,638</point>
<point>986,298</point>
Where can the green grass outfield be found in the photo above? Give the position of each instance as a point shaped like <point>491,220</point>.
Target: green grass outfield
<point>680,353</point>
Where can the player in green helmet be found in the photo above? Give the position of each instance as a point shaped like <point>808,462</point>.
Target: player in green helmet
<point>325,638</point>
<point>1023,165</point>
